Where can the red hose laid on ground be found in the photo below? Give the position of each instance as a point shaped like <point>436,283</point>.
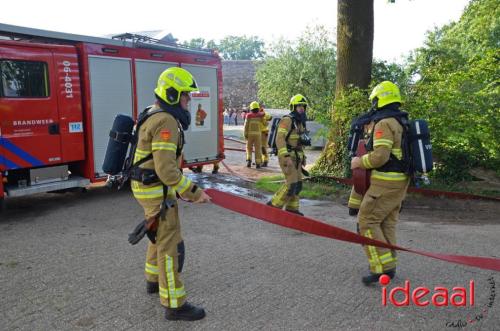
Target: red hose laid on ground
<point>456,195</point>
<point>235,174</point>
<point>235,140</point>
<point>305,224</point>
<point>423,191</point>
<point>235,149</point>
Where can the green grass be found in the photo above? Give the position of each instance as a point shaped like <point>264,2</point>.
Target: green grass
<point>312,189</point>
<point>324,189</point>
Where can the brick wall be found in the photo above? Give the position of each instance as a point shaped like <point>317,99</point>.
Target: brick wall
<point>239,87</point>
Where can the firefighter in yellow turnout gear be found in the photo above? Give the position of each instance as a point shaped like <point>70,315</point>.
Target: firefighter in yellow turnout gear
<point>162,136</point>
<point>253,134</point>
<point>265,135</point>
<point>380,206</point>
<point>290,139</point>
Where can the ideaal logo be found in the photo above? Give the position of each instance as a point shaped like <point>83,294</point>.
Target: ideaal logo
<point>421,297</point>
<point>471,319</point>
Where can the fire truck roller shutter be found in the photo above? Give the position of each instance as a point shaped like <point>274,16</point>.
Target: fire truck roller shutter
<point>146,76</point>
<point>111,94</point>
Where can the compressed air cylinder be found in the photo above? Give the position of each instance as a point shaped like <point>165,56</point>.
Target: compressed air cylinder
<point>272,135</point>
<point>421,147</point>
<point>119,140</point>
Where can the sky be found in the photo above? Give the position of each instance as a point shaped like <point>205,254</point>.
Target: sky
<point>399,27</point>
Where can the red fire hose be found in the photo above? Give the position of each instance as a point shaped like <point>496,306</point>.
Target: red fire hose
<point>305,224</point>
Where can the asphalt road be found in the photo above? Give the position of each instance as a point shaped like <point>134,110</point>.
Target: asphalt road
<point>65,264</point>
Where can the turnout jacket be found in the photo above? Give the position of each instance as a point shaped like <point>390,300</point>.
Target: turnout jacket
<point>253,124</point>
<point>387,136</point>
<point>162,136</point>
<point>292,147</point>
<point>265,122</point>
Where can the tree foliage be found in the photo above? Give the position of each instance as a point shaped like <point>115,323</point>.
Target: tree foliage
<point>350,103</point>
<point>306,66</point>
<point>453,81</point>
<point>241,48</point>
<point>233,47</point>
<point>200,43</point>
<point>458,90</point>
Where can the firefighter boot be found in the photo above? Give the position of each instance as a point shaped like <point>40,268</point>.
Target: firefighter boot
<point>152,287</point>
<point>264,164</point>
<point>373,278</point>
<point>353,211</point>
<point>270,203</point>
<point>249,163</point>
<point>257,166</point>
<point>187,312</point>
<point>215,169</point>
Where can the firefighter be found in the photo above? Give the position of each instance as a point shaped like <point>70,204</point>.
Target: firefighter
<point>162,136</point>
<point>290,139</point>
<point>253,134</point>
<point>265,134</point>
<point>380,206</point>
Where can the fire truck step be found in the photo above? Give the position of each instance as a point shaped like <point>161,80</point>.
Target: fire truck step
<point>46,187</point>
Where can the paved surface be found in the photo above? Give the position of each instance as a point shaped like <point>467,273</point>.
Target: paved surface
<point>65,264</point>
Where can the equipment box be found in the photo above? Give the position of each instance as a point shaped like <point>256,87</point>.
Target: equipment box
<point>48,175</point>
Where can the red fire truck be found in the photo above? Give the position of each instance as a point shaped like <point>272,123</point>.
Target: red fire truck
<point>59,94</point>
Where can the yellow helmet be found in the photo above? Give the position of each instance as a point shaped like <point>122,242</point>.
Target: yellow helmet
<point>384,94</point>
<point>298,99</point>
<point>254,105</point>
<point>172,82</point>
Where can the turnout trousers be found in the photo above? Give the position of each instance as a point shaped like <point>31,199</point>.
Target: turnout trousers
<point>265,154</point>
<point>377,218</point>
<point>254,141</point>
<point>288,194</point>
<point>165,258</point>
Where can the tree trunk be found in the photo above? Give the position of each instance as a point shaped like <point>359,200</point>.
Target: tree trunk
<point>354,43</point>
<point>354,65</point>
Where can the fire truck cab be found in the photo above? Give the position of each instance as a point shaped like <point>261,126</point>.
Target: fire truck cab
<point>59,94</point>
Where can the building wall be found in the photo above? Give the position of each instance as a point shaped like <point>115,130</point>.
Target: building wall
<point>239,85</point>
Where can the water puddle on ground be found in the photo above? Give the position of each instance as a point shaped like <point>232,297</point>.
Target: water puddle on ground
<point>228,184</point>
<point>238,186</point>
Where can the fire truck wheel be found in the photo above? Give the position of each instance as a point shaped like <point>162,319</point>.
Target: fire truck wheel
<point>3,205</point>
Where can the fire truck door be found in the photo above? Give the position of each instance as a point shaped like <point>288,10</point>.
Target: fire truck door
<point>29,119</point>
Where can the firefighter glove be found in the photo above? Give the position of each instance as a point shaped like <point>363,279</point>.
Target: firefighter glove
<point>139,232</point>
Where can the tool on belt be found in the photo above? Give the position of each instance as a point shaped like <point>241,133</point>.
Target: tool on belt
<point>146,227</point>
<point>149,226</point>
